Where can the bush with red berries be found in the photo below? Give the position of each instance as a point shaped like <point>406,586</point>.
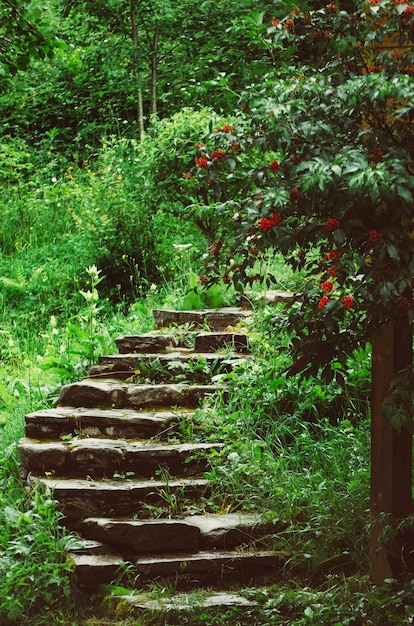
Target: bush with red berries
<point>319,164</point>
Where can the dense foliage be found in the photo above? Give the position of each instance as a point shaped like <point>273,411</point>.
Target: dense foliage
<point>320,166</point>
<point>113,50</point>
<point>278,127</point>
<point>25,34</point>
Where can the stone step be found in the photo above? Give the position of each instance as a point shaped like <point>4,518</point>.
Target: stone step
<point>217,569</point>
<point>210,568</point>
<point>107,457</point>
<point>155,342</point>
<point>187,603</point>
<point>190,534</point>
<point>164,367</point>
<point>213,341</point>
<point>199,341</point>
<point>227,531</point>
<point>66,421</point>
<point>115,394</point>
<point>80,498</point>
<point>272,297</point>
<point>216,319</point>
<point>151,536</point>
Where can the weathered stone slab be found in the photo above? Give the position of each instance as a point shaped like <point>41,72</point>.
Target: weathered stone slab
<point>154,343</point>
<point>123,366</point>
<point>216,319</point>
<point>80,498</point>
<point>183,602</point>
<point>33,457</point>
<point>144,536</point>
<point>277,296</point>
<point>230,530</point>
<point>105,457</point>
<point>198,341</point>
<point>272,296</point>
<point>115,394</point>
<point>89,546</point>
<point>93,570</point>
<point>210,567</point>
<point>210,342</point>
<point>91,422</point>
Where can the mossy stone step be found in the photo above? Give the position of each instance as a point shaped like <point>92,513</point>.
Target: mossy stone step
<point>80,498</point>
<point>106,457</point>
<point>199,341</point>
<point>229,530</point>
<point>213,341</point>
<point>124,366</point>
<point>217,569</point>
<point>216,319</point>
<point>181,603</point>
<point>151,536</point>
<point>210,568</point>
<point>155,341</point>
<point>115,394</point>
<point>66,421</point>
<point>193,533</point>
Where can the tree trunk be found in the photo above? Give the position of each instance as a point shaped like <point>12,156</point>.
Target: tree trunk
<point>140,115</point>
<point>134,37</point>
<point>391,450</point>
<point>154,64</point>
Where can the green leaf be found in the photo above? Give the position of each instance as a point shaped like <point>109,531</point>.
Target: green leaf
<point>393,251</point>
<point>337,169</point>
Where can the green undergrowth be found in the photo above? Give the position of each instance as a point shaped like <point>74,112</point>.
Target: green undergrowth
<point>351,601</point>
<point>339,602</point>
<point>34,571</point>
<point>297,451</point>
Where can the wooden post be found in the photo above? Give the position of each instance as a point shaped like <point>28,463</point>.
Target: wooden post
<point>391,450</point>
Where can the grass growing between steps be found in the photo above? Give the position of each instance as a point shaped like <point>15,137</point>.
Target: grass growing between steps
<point>350,601</point>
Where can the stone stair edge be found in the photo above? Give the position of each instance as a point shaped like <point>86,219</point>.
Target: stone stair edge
<point>78,498</point>
<point>77,412</point>
<point>126,366</point>
<point>126,444</point>
<point>192,532</point>
<point>67,421</point>
<point>208,566</point>
<point>182,602</point>
<point>113,393</point>
<point>217,319</point>
<point>202,341</point>
<point>178,355</point>
<point>110,484</point>
<point>100,457</point>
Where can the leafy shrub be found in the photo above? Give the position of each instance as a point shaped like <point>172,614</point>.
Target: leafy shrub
<point>299,452</point>
<point>323,173</point>
<point>34,571</point>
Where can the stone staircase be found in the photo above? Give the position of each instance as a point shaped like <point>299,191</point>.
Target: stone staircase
<point>114,455</point>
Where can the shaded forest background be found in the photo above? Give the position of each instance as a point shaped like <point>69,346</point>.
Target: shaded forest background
<point>77,186</point>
